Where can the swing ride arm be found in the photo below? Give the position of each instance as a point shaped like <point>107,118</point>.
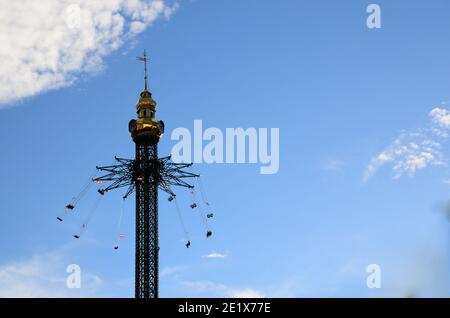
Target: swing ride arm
<point>119,175</point>
<point>172,174</point>
<point>126,173</point>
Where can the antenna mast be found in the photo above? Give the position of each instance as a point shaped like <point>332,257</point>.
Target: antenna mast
<point>144,59</point>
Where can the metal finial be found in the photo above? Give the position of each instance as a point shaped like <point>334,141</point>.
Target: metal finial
<point>144,59</point>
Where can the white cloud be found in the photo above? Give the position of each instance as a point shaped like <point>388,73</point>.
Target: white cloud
<point>172,270</point>
<point>219,290</point>
<point>246,293</point>
<point>43,276</point>
<point>333,165</point>
<point>441,117</point>
<point>215,255</point>
<point>415,150</point>
<point>47,44</point>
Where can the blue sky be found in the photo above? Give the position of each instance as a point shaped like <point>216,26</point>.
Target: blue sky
<point>340,94</point>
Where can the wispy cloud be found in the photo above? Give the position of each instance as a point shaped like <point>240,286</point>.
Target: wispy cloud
<point>415,150</point>
<point>333,165</point>
<point>440,117</point>
<point>246,293</point>
<point>42,276</point>
<point>215,255</point>
<point>172,270</point>
<point>48,44</point>
<point>219,290</point>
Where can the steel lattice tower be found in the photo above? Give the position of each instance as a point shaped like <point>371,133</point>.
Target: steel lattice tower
<point>146,270</point>
<point>145,175</point>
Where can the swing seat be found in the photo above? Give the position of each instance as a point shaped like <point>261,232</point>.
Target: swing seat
<point>210,215</point>
<point>170,199</point>
<point>116,247</point>
<point>188,244</point>
<point>59,219</point>
<point>209,233</point>
<point>102,192</point>
<point>193,206</point>
<point>70,207</point>
<point>76,236</point>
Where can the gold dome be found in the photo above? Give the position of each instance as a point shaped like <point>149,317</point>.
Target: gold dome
<point>146,101</point>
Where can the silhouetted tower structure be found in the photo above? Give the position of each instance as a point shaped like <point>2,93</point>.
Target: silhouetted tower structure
<point>146,132</point>
<point>145,175</point>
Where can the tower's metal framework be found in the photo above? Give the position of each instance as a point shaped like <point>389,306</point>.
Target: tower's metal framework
<point>145,175</point>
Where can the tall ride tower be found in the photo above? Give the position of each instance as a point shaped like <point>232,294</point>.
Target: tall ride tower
<point>146,174</point>
<point>146,132</point>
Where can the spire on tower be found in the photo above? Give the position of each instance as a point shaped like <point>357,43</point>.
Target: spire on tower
<point>144,59</point>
